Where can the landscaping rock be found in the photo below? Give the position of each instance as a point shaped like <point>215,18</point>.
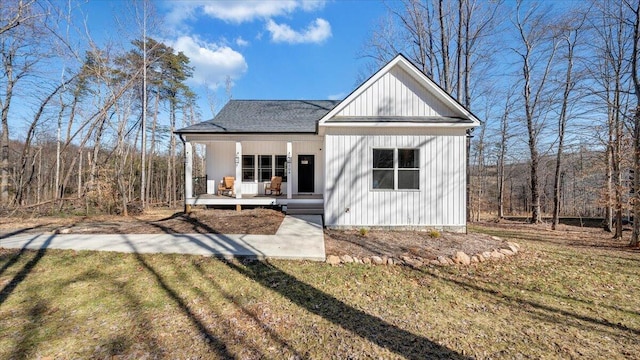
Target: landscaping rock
<point>474,259</point>
<point>506,252</point>
<point>461,258</point>
<point>333,260</point>
<point>377,260</point>
<point>513,247</point>
<point>366,260</point>
<point>480,257</point>
<point>346,259</point>
<point>442,260</point>
<point>496,238</point>
<point>356,260</point>
<point>486,255</point>
<point>516,245</point>
<point>415,263</point>
<point>390,261</point>
<point>434,262</point>
<point>495,254</point>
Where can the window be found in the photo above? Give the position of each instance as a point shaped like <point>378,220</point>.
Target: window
<point>408,169</point>
<point>281,167</point>
<point>264,168</point>
<point>248,167</point>
<point>383,169</point>
<point>396,169</point>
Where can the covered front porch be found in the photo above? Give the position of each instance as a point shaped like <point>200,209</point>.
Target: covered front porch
<point>251,161</point>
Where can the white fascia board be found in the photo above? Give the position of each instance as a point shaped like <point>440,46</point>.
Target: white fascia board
<point>414,72</point>
<point>396,125</point>
<point>437,91</point>
<point>360,90</point>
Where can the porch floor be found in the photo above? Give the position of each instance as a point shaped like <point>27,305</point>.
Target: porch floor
<point>253,199</point>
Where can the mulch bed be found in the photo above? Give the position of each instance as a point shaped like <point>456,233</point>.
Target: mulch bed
<point>406,243</point>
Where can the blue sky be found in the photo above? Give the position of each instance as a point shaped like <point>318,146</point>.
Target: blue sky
<point>275,49</point>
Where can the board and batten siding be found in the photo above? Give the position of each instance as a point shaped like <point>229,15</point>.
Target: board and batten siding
<point>396,93</point>
<point>440,202</point>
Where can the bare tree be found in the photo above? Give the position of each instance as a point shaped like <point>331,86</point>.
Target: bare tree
<point>537,52</point>
<point>570,35</point>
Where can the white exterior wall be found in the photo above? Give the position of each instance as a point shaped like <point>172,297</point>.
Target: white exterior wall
<point>220,161</point>
<point>440,202</point>
<point>396,93</point>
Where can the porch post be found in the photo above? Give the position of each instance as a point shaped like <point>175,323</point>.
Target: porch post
<point>289,179</point>
<point>188,175</point>
<point>238,183</point>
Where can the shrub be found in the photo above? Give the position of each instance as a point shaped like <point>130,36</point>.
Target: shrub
<point>434,234</point>
<point>363,232</point>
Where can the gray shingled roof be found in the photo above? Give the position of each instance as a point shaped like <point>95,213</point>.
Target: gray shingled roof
<point>265,116</point>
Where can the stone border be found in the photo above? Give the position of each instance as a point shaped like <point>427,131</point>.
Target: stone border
<point>460,258</point>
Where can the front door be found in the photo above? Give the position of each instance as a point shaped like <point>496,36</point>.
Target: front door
<point>305,174</point>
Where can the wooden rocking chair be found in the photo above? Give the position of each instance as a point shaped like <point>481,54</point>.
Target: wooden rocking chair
<point>226,186</point>
<point>275,186</point>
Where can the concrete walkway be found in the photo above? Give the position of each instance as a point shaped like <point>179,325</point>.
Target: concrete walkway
<point>299,237</point>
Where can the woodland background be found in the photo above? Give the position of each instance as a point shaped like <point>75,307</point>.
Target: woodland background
<point>556,85</point>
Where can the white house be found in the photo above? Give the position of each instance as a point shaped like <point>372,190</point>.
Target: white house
<point>391,154</point>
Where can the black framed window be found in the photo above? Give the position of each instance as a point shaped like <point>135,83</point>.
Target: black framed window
<point>383,177</point>
<point>264,168</point>
<point>248,167</point>
<point>396,169</point>
<point>408,169</point>
<point>281,167</point>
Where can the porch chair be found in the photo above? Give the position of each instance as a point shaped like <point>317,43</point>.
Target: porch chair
<point>275,186</point>
<point>226,186</point>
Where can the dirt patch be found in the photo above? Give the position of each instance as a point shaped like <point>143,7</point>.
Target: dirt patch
<point>406,243</point>
<point>250,221</point>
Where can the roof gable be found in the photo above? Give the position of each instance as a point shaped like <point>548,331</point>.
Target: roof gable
<point>400,92</point>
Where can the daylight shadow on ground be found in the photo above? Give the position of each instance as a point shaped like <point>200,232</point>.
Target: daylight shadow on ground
<point>26,269</point>
<point>538,310</point>
<point>197,226</point>
<point>214,343</point>
<point>369,327</point>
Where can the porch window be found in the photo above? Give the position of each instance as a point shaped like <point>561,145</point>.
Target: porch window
<point>281,167</point>
<point>248,167</point>
<point>396,169</point>
<point>264,167</point>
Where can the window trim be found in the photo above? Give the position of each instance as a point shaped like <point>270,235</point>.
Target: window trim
<point>396,169</point>
<point>257,167</point>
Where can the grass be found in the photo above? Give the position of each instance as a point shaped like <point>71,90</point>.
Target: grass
<point>554,300</point>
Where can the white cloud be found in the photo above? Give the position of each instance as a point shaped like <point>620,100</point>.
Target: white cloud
<point>240,11</point>
<point>241,42</point>
<point>317,32</point>
<point>338,96</point>
<point>212,63</point>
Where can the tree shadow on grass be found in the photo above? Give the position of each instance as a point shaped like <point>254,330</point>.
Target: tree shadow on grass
<point>214,343</point>
<point>26,269</point>
<point>369,327</point>
<point>272,334</point>
<point>542,311</point>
